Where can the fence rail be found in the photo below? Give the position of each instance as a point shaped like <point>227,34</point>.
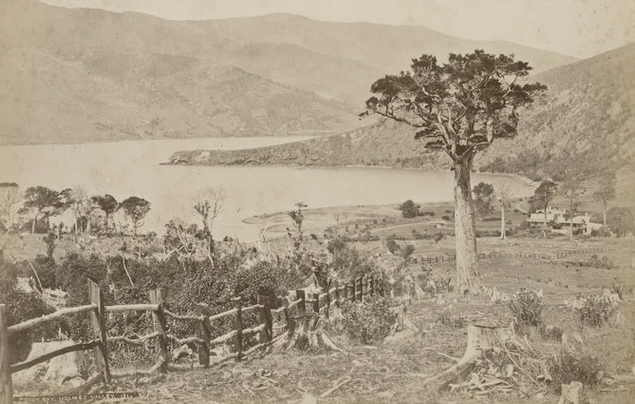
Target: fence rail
<point>274,317</point>
<point>505,254</point>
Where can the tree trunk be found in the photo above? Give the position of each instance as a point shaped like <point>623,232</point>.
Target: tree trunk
<point>502,221</point>
<point>544,227</point>
<point>33,224</point>
<point>604,215</point>
<point>467,276</point>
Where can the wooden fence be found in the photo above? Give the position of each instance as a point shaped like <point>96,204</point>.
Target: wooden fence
<point>274,317</point>
<point>518,254</point>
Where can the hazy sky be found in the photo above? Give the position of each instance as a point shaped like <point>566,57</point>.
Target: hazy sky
<point>575,27</point>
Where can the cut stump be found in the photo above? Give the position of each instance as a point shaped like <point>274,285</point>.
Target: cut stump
<point>305,332</point>
<point>480,338</point>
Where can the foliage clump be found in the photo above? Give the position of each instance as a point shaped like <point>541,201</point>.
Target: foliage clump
<point>452,321</point>
<point>573,365</point>
<point>368,321</point>
<point>526,305</point>
<point>596,310</point>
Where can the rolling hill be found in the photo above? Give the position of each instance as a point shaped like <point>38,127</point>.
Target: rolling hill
<point>71,75</point>
<point>585,119</point>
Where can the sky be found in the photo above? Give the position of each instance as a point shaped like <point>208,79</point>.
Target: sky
<point>580,28</point>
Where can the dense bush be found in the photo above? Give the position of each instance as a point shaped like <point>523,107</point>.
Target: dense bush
<point>409,209</point>
<point>526,305</point>
<point>22,306</point>
<point>596,310</point>
<point>368,321</point>
<point>570,365</point>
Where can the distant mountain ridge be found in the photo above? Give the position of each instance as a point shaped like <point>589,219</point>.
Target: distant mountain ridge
<point>75,75</point>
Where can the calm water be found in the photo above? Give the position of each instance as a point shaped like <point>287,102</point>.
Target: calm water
<point>130,168</point>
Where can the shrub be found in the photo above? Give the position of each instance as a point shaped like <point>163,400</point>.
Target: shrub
<point>596,310</point>
<point>368,321</point>
<point>438,237</point>
<point>618,288</point>
<point>452,321</point>
<point>570,365</point>
<point>409,209</point>
<point>445,217</point>
<point>527,307</point>
<point>392,246</point>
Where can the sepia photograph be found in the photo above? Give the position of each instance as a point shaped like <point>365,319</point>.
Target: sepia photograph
<point>317,201</point>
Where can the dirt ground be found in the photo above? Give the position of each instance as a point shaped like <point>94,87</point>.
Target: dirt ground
<point>393,372</point>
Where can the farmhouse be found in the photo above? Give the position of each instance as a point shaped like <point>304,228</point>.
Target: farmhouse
<point>558,216</point>
<point>553,215</point>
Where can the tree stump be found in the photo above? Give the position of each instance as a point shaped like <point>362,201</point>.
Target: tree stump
<point>480,338</point>
<point>305,332</point>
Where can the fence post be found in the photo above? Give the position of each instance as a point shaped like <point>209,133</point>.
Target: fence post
<point>337,293</point>
<point>158,323</point>
<point>299,294</point>
<point>204,333</point>
<point>316,303</point>
<point>264,317</point>
<point>372,285</point>
<point>99,330</point>
<point>238,326</point>
<point>354,291</point>
<point>6,384</point>
<point>328,301</point>
<point>361,288</point>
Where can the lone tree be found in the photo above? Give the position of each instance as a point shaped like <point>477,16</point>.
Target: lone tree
<point>135,209</point>
<point>542,197</point>
<point>483,193</point>
<point>571,190</point>
<point>208,204</point>
<point>409,209</point>
<point>42,201</point>
<point>504,196</point>
<point>605,191</point>
<point>461,108</point>
<point>108,204</point>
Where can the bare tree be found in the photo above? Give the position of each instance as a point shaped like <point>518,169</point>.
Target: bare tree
<point>571,189</point>
<point>504,195</point>
<point>605,191</point>
<point>80,204</point>
<point>208,204</point>
<point>9,199</point>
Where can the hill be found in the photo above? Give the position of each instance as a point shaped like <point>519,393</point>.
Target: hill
<point>70,75</point>
<point>585,118</point>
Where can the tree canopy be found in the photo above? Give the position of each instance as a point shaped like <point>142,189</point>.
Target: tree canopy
<point>459,107</point>
<point>135,209</point>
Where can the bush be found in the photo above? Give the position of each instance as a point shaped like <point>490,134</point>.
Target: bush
<point>569,365</point>
<point>409,209</point>
<point>368,321</point>
<point>452,321</point>
<point>527,308</point>
<point>596,310</point>
<point>445,217</point>
<point>392,246</point>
